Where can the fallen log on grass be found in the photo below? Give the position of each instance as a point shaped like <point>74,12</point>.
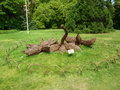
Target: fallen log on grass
<point>33,50</point>
<point>79,41</point>
<point>52,45</point>
<point>88,42</point>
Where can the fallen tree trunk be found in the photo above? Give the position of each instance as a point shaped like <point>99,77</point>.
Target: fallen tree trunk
<point>88,42</point>
<point>46,45</point>
<point>33,50</point>
<point>52,45</point>
<point>71,46</point>
<point>79,41</point>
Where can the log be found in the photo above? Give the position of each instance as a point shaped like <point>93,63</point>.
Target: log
<point>88,42</point>
<point>62,48</point>
<point>52,41</point>
<point>79,41</point>
<point>46,45</point>
<point>76,40</point>
<point>46,49</point>
<point>33,50</point>
<point>72,46</point>
<point>70,39</point>
<point>54,47</point>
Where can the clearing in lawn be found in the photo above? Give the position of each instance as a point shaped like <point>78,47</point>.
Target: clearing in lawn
<point>56,71</point>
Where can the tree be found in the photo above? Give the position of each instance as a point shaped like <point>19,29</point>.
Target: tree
<point>11,13</point>
<point>90,15</point>
<point>49,15</point>
<point>117,14</point>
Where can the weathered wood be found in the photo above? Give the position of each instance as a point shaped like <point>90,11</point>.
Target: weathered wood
<point>70,39</point>
<point>78,39</point>
<point>72,46</point>
<point>54,47</point>
<point>62,48</point>
<point>33,50</point>
<point>46,49</point>
<point>46,45</point>
<point>65,35</point>
<point>88,42</point>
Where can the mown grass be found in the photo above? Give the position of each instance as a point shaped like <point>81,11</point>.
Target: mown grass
<point>7,31</point>
<point>55,71</point>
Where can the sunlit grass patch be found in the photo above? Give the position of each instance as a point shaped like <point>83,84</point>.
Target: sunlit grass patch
<point>49,71</point>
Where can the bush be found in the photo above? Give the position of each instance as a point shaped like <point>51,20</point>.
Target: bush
<point>32,25</point>
<point>11,14</point>
<point>49,15</point>
<point>90,16</point>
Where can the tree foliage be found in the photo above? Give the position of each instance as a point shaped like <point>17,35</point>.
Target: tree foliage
<point>11,13</point>
<point>117,14</point>
<point>90,15</point>
<point>93,16</point>
<point>49,15</point>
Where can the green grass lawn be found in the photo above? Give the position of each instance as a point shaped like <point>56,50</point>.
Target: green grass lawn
<point>56,71</point>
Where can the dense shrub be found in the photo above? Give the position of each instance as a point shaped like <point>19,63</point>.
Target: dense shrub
<point>11,14</point>
<point>49,15</point>
<point>117,14</point>
<point>94,15</point>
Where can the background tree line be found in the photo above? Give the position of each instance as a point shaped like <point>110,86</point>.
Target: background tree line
<point>91,16</point>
